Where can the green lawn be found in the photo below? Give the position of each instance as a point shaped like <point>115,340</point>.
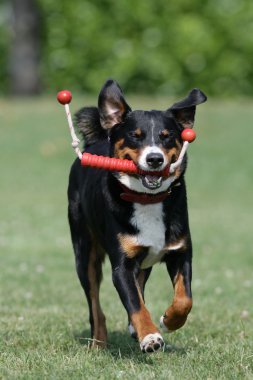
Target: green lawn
<point>44,321</point>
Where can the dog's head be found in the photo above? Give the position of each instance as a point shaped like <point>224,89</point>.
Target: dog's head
<point>152,139</point>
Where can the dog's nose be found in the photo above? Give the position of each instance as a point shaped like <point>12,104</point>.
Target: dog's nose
<point>154,160</point>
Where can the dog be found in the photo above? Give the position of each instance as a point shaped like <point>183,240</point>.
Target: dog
<point>138,220</point>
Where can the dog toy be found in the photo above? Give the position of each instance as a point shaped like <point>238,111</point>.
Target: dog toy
<point>116,164</point>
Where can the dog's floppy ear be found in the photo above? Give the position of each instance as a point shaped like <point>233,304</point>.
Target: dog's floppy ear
<point>184,111</point>
<point>112,105</point>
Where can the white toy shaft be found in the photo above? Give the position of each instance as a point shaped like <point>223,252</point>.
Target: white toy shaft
<point>180,158</point>
<point>75,139</point>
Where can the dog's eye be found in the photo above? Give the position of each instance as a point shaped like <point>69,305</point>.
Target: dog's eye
<point>137,134</point>
<point>164,135</point>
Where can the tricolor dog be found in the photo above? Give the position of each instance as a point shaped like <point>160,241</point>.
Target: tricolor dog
<point>137,220</point>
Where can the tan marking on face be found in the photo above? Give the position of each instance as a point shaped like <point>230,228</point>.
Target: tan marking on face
<point>176,315</point>
<point>179,147</point>
<point>123,152</point>
<point>100,331</point>
<point>165,133</point>
<point>172,155</point>
<point>141,320</point>
<point>118,145</point>
<point>138,132</point>
<point>129,245</point>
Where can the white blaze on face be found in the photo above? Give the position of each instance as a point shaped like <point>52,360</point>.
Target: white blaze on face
<point>152,131</point>
<point>142,162</point>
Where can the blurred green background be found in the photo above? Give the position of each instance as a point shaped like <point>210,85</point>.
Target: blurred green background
<point>152,47</point>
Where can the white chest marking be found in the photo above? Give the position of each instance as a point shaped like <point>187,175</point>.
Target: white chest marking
<point>149,221</point>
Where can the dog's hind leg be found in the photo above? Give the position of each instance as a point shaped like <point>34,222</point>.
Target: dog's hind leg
<point>94,272</point>
<point>89,268</point>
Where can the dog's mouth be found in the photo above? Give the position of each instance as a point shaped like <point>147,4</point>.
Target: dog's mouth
<point>151,181</point>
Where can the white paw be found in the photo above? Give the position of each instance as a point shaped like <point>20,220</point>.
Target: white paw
<point>132,331</point>
<point>152,342</point>
<point>163,327</point>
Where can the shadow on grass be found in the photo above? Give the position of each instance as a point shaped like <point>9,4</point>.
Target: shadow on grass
<point>121,345</point>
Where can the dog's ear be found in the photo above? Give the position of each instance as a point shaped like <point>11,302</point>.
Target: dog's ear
<point>184,111</point>
<point>112,105</point>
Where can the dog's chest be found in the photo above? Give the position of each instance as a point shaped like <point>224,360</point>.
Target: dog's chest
<point>149,221</point>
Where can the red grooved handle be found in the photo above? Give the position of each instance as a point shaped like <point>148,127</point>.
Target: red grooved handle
<point>117,164</point>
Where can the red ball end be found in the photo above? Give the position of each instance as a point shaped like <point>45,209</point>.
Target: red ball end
<point>64,97</point>
<point>188,135</point>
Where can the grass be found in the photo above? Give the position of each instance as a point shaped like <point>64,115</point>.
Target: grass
<point>44,322</point>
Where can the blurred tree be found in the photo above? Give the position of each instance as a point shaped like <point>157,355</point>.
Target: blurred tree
<point>153,47</point>
<point>25,48</point>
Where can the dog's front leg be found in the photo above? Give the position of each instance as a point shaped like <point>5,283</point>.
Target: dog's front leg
<point>179,268</point>
<point>125,281</point>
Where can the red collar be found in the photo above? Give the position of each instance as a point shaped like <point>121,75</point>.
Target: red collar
<point>143,198</point>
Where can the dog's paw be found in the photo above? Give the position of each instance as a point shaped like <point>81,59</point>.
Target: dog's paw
<point>163,326</point>
<point>152,343</point>
<point>132,331</point>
